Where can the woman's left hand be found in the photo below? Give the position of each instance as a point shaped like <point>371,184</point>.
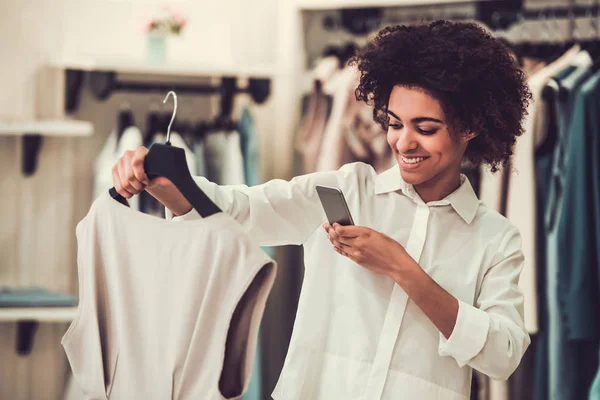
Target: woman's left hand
<point>370,249</point>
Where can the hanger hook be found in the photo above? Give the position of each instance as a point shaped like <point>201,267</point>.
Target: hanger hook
<point>173,116</point>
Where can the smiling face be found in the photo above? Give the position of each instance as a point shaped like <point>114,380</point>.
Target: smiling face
<point>428,155</point>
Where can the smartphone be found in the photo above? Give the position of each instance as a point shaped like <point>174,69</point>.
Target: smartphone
<point>335,206</point>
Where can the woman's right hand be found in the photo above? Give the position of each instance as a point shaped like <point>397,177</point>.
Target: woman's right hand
<point>128,173</point>
<point>129,179</point>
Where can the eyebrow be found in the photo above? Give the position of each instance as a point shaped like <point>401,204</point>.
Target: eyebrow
<point>418,119</point>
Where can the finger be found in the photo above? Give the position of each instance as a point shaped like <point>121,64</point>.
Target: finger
<point>124,182</point>
<point>137,164</point>
<point>346,241</point>
<point>333,234</point>
<point>132,179</point>
<point>348,231</point>
<point>135,186</point>
<point>341,251</point>
<point>117,183</point>
<point>336,243</point>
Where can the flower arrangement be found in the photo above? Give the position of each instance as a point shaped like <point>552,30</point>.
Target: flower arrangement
<point>168,23</point>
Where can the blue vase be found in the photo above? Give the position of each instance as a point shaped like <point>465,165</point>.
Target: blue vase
<point>156,48</point>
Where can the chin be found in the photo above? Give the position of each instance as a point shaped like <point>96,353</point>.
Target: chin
<point>412,178</point>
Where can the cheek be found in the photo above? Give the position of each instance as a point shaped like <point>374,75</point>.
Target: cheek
<point>442,146</point>
<point>392,138</point>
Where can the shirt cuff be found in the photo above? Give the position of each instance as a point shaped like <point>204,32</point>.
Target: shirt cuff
<point>469,334</point>
<point>189,216</point>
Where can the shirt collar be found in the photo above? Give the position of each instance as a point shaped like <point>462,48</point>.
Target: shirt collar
<point>463,200</point>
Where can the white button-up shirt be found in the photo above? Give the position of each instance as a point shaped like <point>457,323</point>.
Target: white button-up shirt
<point>357,334</point>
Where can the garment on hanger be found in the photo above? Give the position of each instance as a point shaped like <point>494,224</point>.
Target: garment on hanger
<point>198,149</point>
<point>595,390</point>
<point>514,186</point>
<point>131,139</point>
<point>520,205</point>
<point>334,153</point>
<point>316,110</point>
<point>249,148</point>
<point>577,222</point>
<point>223,156</point>
<point>166,310</point>
<point>365,139</point>
<point>560,377</point>
<point>190,156</point>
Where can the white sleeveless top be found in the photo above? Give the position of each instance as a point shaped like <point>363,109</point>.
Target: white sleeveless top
<point>167,310</point>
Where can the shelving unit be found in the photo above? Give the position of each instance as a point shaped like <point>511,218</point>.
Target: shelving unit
<point>105,78</point>
<point>28,320</point>
<point>40,314</point>
<point>165,69</point>
<point>32,133</point>
<point>47,128</point>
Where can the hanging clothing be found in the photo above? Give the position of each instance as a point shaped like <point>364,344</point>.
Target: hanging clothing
<point>357,334</point>
<point>366,140</point>
<point>316,110</point>
<point>561,377</point>
<point>576,222</point>
<point>544,154</point>
<point>309,137</point>
<point>249,148</point>
<point>198,148</point>
<point>520,206</point>
<point>595,390</point>
<point>190,156</point>
<point>223,157</point>
<point>334,153</point>
<point>113,149</point>
<point>166,310</point>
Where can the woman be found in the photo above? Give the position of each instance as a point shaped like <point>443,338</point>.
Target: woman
<point>426,283</point>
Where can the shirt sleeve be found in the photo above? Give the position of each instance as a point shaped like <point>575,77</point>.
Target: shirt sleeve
<point>491,336</point>
<point>277,212</point>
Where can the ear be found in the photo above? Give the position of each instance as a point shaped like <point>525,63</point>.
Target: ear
<point>467,136</point>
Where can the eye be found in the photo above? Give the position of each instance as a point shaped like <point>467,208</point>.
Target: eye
<point>427,132</point>
<point>395,125</point>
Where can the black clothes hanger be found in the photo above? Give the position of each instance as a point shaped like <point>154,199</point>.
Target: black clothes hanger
<point>169,161</point>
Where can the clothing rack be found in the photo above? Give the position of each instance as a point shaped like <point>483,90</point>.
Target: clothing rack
<point>104,83</point>
<point>494,13</point>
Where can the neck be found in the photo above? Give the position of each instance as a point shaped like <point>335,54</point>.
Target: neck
<point>438,187</point>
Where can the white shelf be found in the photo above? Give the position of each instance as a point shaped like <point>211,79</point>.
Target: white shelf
<point>41,314</point>
<point>47,128</point>
<point>336,4</point>
<point>175,69</point>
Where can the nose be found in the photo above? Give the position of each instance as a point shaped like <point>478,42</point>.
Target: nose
<point>406,141</point>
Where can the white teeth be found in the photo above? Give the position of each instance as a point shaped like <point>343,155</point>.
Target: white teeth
<point>413,160</point>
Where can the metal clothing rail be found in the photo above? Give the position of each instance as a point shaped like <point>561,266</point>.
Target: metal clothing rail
<point>105,83</point>
<point>494,13</point>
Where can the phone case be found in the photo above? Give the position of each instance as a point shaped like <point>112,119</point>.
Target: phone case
<point>335,206</point>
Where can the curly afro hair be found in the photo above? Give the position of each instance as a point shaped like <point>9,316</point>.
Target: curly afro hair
<point>478,83</point>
